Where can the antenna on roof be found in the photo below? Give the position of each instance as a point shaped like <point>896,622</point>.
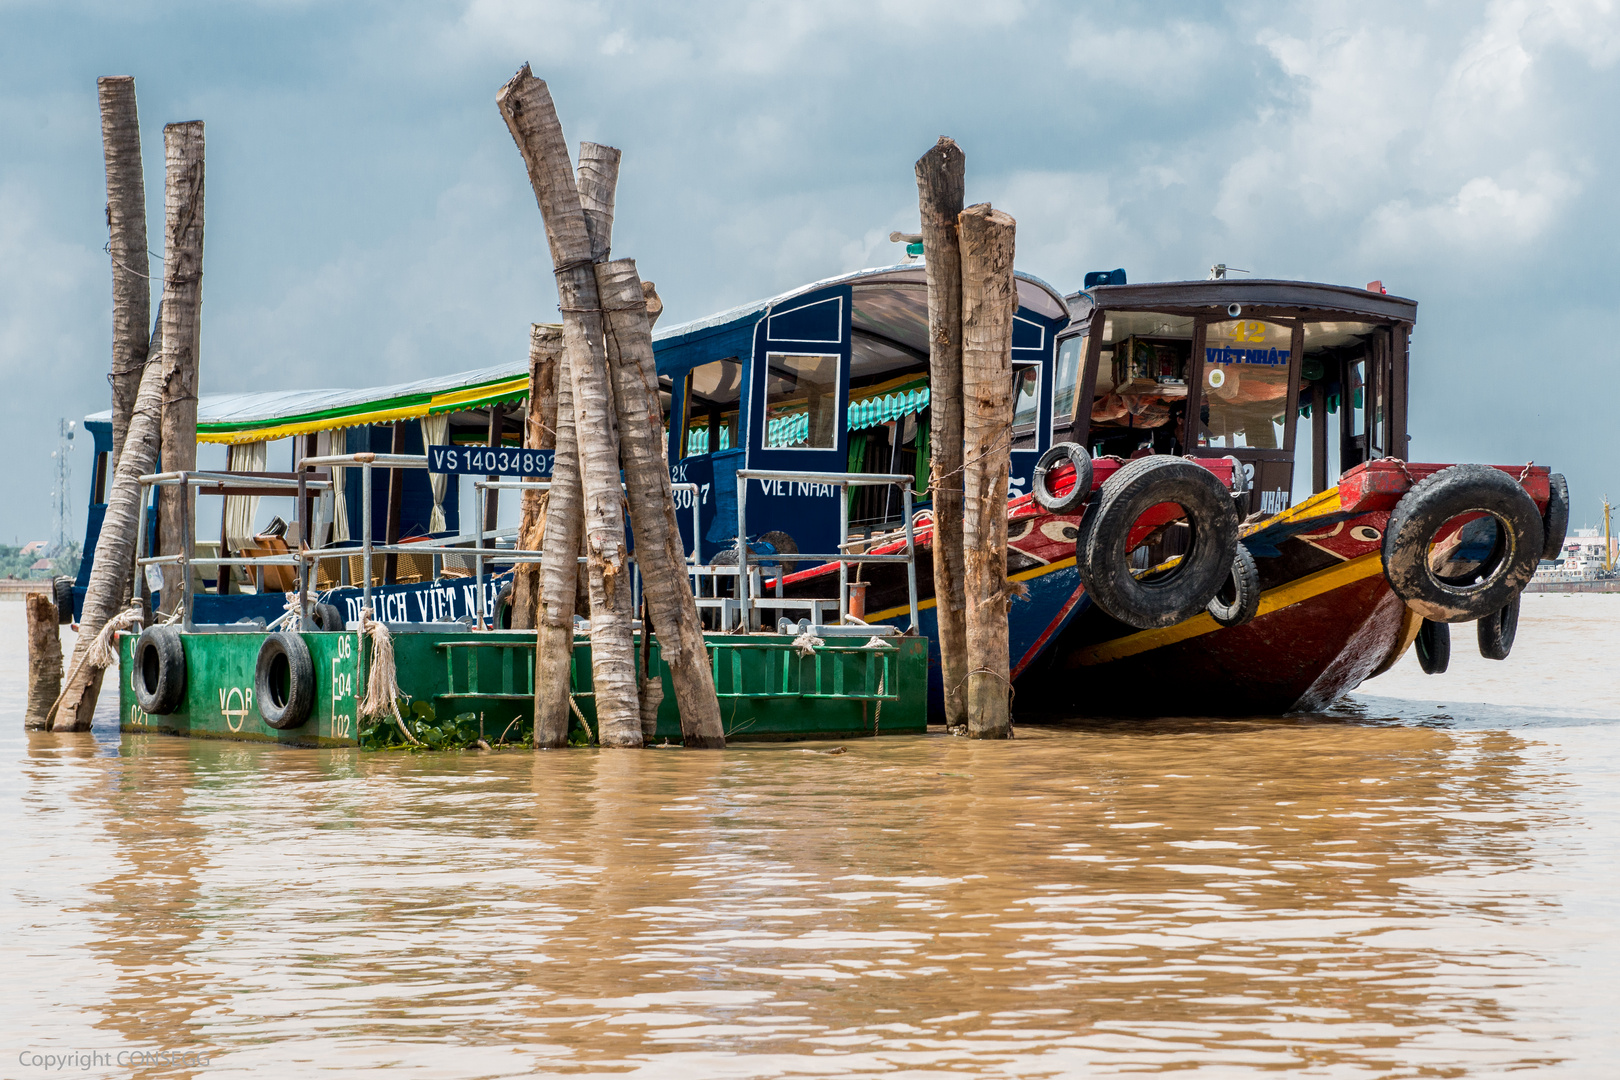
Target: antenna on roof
<point>1219,271</point>
<point>913,242</point>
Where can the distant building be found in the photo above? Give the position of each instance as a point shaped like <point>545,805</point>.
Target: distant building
<point>32,547</point>
<point>43,564</point>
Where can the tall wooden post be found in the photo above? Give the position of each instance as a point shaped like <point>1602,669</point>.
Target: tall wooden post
<point>526,104</point>
<point>182,324</point>
<point>539,433</point>
<point>115,549</point>
<point>563,528</point>
<point>126,228</point>
<point>44,660</point>
<point>941,183</point>
<point>659,553</point>
<point>989,301</point>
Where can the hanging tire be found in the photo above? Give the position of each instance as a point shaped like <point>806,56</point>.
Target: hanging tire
<point>159,675</point>
<point>284,681</point>
<point>62,597</point>
<point>1238,600</point>
<point>1497,630</point>
<point>501,618</point>
<point>327,617</point>
<point>1059,454</point>
<point>1433,646</point>
<point>1103,548</point>
<point>1462,590</point>
<point>1555,522</point>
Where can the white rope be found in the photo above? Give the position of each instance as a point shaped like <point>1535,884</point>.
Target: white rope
<point>382,678</point>
<point>100,656</point>
<point>806,643</point>
<point>293,613</point>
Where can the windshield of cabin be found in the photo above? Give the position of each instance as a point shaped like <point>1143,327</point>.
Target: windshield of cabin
<point>712,393</point>
<point>1245,384</point>
<point>1141,394</point>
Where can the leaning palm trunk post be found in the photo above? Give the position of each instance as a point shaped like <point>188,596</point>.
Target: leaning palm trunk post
<point>575,245</point>
<point>659,552</point>
<point>115,552</point>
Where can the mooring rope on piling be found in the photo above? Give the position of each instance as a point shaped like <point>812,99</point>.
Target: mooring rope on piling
<point>382,677</point>
<point>101,655</point>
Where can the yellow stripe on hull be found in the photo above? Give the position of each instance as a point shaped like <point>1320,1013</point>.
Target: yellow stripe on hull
<point>1305,588</point>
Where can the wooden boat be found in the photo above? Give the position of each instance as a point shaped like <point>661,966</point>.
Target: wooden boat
<point>799,425</point>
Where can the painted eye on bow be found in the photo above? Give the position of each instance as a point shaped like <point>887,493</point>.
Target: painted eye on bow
<point>1366,533</point>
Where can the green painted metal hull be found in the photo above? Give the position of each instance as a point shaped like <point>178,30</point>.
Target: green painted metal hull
<point>768,689</point>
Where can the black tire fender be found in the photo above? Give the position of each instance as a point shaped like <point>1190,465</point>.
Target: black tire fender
<point>284,681</point>
<point>1424,511</point>
<point>1060,453</point>
<point>1497,630</point>
<point>501,616</point>
<point>1433,645</point>
<point>327,617</point>
<point>1238,600</point>
<point>1555,522</point>
<point>1103,549</point>
<point>159,670</point>
<point>62,597</point>
<point>782,544</point>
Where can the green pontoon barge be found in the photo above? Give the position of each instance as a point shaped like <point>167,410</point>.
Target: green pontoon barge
<point>297,680</point>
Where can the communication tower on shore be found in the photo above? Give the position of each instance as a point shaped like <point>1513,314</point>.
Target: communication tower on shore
<point>63,495</point>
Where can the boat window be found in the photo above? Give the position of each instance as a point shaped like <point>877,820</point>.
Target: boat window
<point>1245,384</point>
<point>1026,395</point>
<point>1066,378</point>
<point>713,391</point>
<point>801,401</point>
<point>1141,392</point>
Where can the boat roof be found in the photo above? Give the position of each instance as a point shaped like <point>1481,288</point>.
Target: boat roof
<point>277,414</point>
<point>1275,294</point>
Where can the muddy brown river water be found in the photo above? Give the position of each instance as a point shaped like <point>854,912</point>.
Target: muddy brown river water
<point>1421,884</point>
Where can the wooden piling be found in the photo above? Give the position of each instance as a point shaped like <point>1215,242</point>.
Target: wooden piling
<point>126,228</point>
<point>989,302</point>
<point>659,552</point>
<point>941,183</point>
<point>44,660</point>
<point>182,302</point>
<point>530,115</point>
<point>539,433</point>
<point>559,573</point>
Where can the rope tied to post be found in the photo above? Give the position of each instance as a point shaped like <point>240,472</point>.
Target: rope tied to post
<point>101,655</point>
<point>382,677</point>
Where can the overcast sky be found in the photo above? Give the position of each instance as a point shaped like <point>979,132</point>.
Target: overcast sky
<point>369,221</point>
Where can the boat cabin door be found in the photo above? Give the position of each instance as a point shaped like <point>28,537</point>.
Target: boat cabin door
<point>1244,401</point>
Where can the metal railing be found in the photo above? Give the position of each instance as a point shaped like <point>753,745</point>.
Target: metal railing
<point>306,556</point>
<point>843,481</point>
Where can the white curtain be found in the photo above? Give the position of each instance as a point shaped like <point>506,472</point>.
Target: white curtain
<point>240,510</point>
<point>340,506</point>
<point>436,432</point>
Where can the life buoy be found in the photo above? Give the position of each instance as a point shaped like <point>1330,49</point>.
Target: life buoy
<point>1060,453</point>
<point>1104,545</point>
<point>1497,630</point>
<point>1555,522</point>
<point>1433,646</point>
<point>284,681</point>
<point>1452,590</point>
<point>159,660</point>
<point>1238,600</point>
